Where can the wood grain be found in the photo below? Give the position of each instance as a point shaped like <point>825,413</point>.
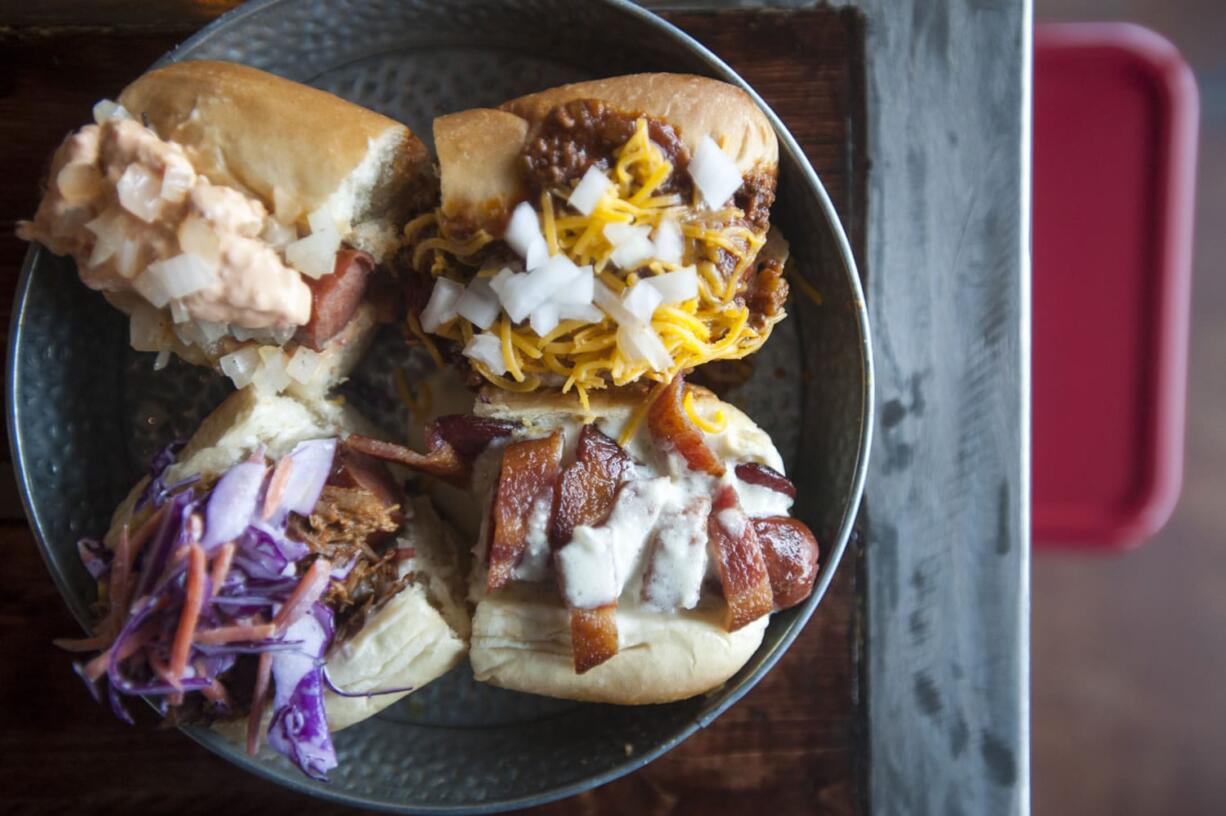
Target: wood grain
<point>793,745</point>
<point>948,548</point>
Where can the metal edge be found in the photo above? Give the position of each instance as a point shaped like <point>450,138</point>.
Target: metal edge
<point>17,453</point>
<point>219,746</point>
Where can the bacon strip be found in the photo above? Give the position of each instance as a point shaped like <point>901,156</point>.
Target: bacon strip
<point>672,427</point>
<point>738,554</point>
<point>586,494</point>
<point>791,550</point>
<point>530,469</point>
<point>354,469</point>
<point>588,488</point>
<point>192,603</point>
<point>765,476</point>
<point>469,434</point>
<point>442,460</point>
<point>593,636</point>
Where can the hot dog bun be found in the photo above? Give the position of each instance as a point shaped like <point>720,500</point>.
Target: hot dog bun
<point>294,147</point>
<point>478,150</point>
<point>420,633</point>
<point>521,635</point>
<point>228,211</point>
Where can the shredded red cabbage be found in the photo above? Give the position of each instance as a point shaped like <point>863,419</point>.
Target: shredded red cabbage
<point>156,491</point>
<point>259,578</point>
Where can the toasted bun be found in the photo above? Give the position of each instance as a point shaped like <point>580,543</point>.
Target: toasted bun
<point>521,636</point>
<point>695,106</point>
<point>293,147</point>
<point>541,411</point>
<point>524,644</point>
<point>418,635</point>
<point>478,150</point>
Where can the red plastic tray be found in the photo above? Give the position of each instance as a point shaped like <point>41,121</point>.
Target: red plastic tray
<point>1115,118</point>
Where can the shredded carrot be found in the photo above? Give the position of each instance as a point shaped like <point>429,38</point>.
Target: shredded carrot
<point>120,588</point>
<point>276,486</point>
<point>259,698</point>
<point>221,566</point>
<point>181,649</point>
<point>236,633</point>
<point>146,530</point>
<point>312,585</point>
<point>97,667</point>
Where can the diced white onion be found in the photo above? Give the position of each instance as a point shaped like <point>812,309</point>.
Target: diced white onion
<point>78,183</point>
<point>579,290</point>
<point>282,334</point>
<point>147,329</point>
<point>584,312</point>
<point>140,192</point>
<point>641,301</point>
<point>211,331</point>
<point>633,253</point>
<point>441,306</point>
<point>109,232</point>
<point>669,242</point>
<point>278,235</point>
<point>128,259</point>
<point>538,254</point>
<point>315,255</point>
<point>174,277</point>
<point>197,237</point>
<point>321,219</point>
<point>240,366</point>
<point>487,348</point>
<point>714,173</point>
<point>590,189</point>
<point>178,311</point>
<point>676,287</point>
<point>611,304</point>
<point>479,304</point>
<point>271,374</point>
<point>303,365</point>
<point>177,179</point>
<point>523,230</point>
<point>619,233</point>
<point>522,294</point>
<point>544,319</point>
<point>640,344</point>
<point>162,360</point>
<point>243,334</point>
<point>106,109</point>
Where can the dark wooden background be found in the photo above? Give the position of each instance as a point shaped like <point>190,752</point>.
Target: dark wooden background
<point>791,746</point>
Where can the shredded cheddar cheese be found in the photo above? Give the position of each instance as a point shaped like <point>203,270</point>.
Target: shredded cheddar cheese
<point>714,425</point>
<point>586,356</point>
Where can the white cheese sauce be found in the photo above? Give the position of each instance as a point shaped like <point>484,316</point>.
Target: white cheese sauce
<point>535,563</point>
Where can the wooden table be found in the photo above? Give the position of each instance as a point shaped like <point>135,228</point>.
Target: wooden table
<point>906,692</point>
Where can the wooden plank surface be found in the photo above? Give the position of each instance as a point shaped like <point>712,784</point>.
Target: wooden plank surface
<point>791,746</point>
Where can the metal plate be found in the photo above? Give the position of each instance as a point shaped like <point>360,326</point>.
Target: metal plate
<point>85,412</point>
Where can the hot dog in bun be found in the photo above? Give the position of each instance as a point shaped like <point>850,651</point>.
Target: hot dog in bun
<point>237,217</point>
<point>599,234</point>
<point>630,558</point>
<point>269,581</point>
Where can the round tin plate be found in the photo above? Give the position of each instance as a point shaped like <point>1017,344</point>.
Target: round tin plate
<point>85,412</point>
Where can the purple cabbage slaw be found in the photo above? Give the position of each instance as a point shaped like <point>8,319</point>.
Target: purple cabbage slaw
<point>262,577</point>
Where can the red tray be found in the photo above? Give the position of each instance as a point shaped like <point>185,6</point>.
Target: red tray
<point>1115,117</point>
